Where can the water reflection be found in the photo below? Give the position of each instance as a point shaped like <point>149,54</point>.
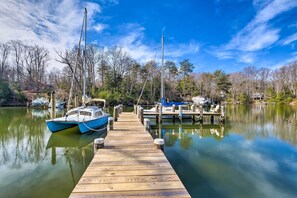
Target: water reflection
<point>265,121</point>
<point>183,134</point>
<point>252,155</point>
<point>32,157</point>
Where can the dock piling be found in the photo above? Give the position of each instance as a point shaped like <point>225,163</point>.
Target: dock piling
<point>115,113</point>
<point>53,104</point>
<point>201,113</point>
<point>180,113</point>
<point>141,114</point>
<point>160,113</point>
<point>222,117</point>
<point>99,143</point>
<point>147,124</point>
<point>159,143</point>
<point>110,123</point>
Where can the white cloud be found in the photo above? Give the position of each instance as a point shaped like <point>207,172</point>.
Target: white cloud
<point>258,34</point>
<point>53,24</point>
<point>99,27</point>
<point>253,39</point>
<point>290,39</point>
<point>180,50</point>
<point>132,41</point>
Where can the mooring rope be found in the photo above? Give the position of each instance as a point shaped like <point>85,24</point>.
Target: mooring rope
<point>91,129</point>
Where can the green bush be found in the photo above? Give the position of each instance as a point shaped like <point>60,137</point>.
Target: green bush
<point>5,92</point>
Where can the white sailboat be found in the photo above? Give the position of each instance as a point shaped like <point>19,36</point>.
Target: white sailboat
<point>87,118</point>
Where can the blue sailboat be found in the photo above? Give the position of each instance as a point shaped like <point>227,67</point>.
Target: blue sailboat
<point>86,118</point>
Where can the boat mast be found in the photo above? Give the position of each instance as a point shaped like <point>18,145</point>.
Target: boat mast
<point>84,63</point>
<point>75,67</point>
<point>162,69</point>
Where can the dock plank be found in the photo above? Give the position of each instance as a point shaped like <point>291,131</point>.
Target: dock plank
<point>129,166</point>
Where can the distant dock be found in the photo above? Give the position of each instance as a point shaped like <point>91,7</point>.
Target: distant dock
<point>197,114</point>
<point>129,165</point>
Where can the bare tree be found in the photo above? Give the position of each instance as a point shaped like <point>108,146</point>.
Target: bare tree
<point>18,52</point>
<point>4,65</point>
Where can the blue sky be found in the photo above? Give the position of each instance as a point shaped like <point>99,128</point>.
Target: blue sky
<point>213,34</point>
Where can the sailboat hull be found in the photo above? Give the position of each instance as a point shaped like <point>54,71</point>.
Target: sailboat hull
<point>55,126</point>
<point>92,125</point>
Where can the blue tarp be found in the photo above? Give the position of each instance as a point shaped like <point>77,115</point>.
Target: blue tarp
<point>169,104</point>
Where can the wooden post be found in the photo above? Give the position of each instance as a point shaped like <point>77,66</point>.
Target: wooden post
<point>147,124</point>
<point>159,143</point>
<point>173,108</point>
<point>193,110</point>
<point>115,112</point>
<point>120,108</point>
<point>53,105</point>
<point>134,109</point>
<point>98,143</point>
<point>110,123</point>
<point>141,114</point>
<point>222,114</point>
<point>160,113</point>
<point>201,113</point>
<point>180,113</point>
<point>157,108</point>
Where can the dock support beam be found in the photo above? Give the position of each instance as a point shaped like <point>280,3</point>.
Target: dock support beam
<point>160,113</point>
<point>115,113</point>
<point>201,113</point>
<point>141,114</point>
<point>110,123</point>
<point>222,117</point>
<point>53,104</point>
<point>180,113</point>
<point>147,124</point>
<point>193,108</point>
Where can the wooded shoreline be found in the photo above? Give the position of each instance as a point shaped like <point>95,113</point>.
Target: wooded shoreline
<point>113,75</point>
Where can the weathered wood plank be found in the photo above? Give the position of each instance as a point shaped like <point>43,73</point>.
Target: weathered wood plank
<point>164,171</point>
<point>128,186</point>
<point>172,193</point>
<point>101,167</point>
<point>129,166</point>
<point>128,179</point>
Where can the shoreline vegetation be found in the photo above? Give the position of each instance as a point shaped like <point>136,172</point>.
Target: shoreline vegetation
<point>113,75</point>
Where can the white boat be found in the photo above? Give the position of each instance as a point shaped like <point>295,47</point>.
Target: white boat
<point>39,102</point>
<point>87,118</point>
<point>199,100</point>
<point>59,104</point>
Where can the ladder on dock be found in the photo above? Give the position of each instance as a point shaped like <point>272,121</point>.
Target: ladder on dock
<point>129,166</point>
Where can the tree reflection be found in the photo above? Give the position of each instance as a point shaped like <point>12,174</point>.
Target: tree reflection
<point>264,121</point>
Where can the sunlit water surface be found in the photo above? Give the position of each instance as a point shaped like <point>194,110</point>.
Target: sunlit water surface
<point>253,154</point>
<point>36,163</point>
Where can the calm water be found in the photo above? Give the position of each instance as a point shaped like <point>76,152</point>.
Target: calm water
<point>253,154</point>
<point>36,163</point>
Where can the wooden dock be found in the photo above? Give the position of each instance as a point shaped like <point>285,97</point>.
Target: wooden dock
<point>195,113</point>
<point>129,166</point>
